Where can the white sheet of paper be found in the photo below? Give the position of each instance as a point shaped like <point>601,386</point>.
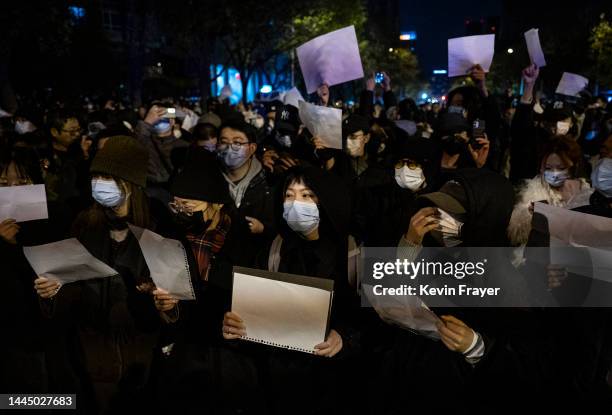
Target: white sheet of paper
<point>575,229</point>
<point>23,203</point>
<point>571,84</point>
<point>167,262</point>
<point>465,52</point>
<point>534,48</point>
<point>332,58</point>
<point>66,261</point>
<point>323,122</point>
<point>279,313</point>
<point>406,311</point>
<point>292,97</point>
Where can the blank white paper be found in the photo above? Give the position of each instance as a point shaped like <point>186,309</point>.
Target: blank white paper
<point>465,52</point>
<point>323,122</point>
<point>534,48</point>
<point>167,262</point>
<point>66,261</point>
<point>571,84</point>
<point>332,58</point>
<point>281,314</point>
<point>23,203</point>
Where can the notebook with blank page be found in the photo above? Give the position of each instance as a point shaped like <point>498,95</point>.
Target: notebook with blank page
<point>282,310</point>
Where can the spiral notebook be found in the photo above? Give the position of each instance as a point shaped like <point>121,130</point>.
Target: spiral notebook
<point>283,310</point>
<point>167,262</point>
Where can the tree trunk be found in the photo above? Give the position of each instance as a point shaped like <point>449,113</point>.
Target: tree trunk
<point>244,81</point>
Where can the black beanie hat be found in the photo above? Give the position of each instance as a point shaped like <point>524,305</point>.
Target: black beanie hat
<point>354,123</point>
<point>201,179</point>
<point>451,123</point>
<point>122,157</point>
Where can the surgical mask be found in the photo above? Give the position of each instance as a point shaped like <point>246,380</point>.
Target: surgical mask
<point>210,146</point>
<point>24,127</point>
<point>194,223</point>
<point>456,109</point>
<point>602,177</point>
<point>563,127</point>
<point>556,178</point>
<point>162,127</point>
<point>353,147</point>
<point>283,140</point>
<point>408,178</point>
<point>302,217</point>
<point>233,159</point>
<point>106,192</point>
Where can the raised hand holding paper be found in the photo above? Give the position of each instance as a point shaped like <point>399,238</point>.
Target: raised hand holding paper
<point>23,203</point>
<point>534,48</point>
<point>292,97</point>
<point>571,84</point>
<point>466,52</point>
<point>332,58</point>
<point>323,122</point>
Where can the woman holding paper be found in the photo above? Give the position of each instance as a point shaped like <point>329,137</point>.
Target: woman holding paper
<point>112,324</point>
<point>312,242</point>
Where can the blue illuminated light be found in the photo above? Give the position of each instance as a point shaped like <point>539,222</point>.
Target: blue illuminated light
<point>439,72</point>
<point>266,89</point>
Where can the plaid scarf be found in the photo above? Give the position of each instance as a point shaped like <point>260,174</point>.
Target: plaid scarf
<point>210,242</point>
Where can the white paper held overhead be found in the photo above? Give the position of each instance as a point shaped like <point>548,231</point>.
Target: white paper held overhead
<point>571,84</point>
<point>323,122</point>
<point>292,97</point>
<point>23,203</point>
<point>534,48</point>
<point>466,52</point>
<point>332,58</point>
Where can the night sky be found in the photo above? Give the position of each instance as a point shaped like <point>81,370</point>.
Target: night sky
<point>435,21</point>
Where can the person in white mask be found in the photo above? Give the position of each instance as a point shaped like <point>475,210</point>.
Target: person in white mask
<point>116,327</point>
<point>312,242</point>
<point>600,203</point>
<point>556,185</point>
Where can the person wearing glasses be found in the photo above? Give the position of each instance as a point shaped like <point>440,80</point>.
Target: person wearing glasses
<point>248,187</point>
<point>414,171</point>
<point>65,168</point>
<point>201,369</point>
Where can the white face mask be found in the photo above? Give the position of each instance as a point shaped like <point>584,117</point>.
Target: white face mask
<point>258,122</point>
<point>408,178</point>
<point>556,178</point>
<point>602,177</point>
<point>106,192</point>
<point>283,140</point>
<point>354,147</point>
<point>563,127</point>
<point>24,127</point>
<point>302,217</point>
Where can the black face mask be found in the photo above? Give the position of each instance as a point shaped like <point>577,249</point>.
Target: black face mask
<point>453,146</point>
<point>193,224</point>
<point>115,222</point>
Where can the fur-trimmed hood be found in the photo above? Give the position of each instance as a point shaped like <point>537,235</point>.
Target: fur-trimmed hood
<point>537,190</point>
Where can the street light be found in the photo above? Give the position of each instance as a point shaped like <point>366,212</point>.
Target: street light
<point>510,51</point>
<point>390,50</point>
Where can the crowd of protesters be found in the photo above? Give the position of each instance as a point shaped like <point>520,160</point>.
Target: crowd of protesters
<point>250,186</point>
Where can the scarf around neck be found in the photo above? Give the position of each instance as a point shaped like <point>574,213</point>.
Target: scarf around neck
<point>237,190</point>
<point>205,245</point>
